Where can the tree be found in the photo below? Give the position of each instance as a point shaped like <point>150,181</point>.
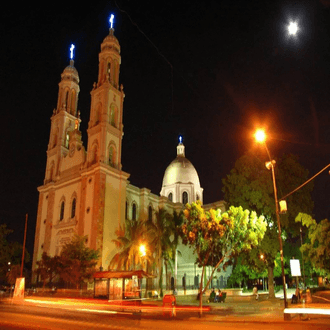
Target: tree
<point>77,261</point>
<point>10,252</point>
<point>5,256</point>
<point>217,237</point>
<point>128,241</point>
<point>13,273</point>
<point>249,185</point>
<point>317,249</point>
<point>158,233</point>
<point>48,268</point>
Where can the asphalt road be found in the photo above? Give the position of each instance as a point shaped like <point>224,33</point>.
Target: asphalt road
<point>39,317</point>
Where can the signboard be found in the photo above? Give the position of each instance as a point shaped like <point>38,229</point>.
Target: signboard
<point>295,267</point>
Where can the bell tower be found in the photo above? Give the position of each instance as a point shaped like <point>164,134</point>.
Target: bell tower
<point>64,120</point>
<point>105,127</point>
<point>105,132</point>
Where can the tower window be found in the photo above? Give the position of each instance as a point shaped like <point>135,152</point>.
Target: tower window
<point>184,198</point>
<point>66,100</point>
<point>62,211</point>
<point>73,102</point>
<point>112,156</point>
<point>197,197</point>
<point>170,197</point>
<point>113,115</point>
<point>73,208</point>
<point>126,210</point>
<point>67,139</point>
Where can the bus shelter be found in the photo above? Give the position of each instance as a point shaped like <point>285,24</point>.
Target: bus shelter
<point>119,285</point>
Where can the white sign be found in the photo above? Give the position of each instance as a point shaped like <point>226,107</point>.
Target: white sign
<point>295,267</point>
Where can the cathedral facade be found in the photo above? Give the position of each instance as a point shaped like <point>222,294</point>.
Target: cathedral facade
<point>85,191</point>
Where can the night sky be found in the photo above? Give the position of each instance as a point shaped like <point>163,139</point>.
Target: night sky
<point>212,71</point>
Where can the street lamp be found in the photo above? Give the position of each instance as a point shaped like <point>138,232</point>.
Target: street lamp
<point>260,137</point>
<point>293,28</point>
<point>143,253</point>
<point>142,249</point>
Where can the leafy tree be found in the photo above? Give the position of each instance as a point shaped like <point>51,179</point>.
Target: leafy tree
<point>48,268</point>
<point>5,256</point>
<point>249,185</point>
<point>317,249</point>
<point>77,261</point>
<point>10,252</point>
<point>217,237</point>
<point>13,273</point>
<point>242,270</point>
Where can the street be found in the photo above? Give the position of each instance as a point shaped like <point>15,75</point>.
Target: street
<point>16,316</point>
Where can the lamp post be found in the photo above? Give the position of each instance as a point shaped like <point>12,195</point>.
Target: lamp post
<point>260,137</point>
<point>143,253</point>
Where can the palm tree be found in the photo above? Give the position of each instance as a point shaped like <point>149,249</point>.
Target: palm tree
<point>128,241</point>
<point>159,234</point>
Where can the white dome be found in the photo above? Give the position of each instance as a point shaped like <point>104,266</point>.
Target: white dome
<point>181,170</point>
<point>181,181</point>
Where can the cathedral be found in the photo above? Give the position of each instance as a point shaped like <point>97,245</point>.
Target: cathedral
<point>85,191</point>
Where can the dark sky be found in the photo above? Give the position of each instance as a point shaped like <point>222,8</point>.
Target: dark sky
<point>211,71</point>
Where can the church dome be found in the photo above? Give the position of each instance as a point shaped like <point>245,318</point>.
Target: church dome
<point>181,170</point>
<point>181,182</point>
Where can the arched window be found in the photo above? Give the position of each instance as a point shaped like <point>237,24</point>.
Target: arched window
<point>113,115</point>
<point>73,102</point>
<point>62,211</point>
<point>134,211</point>
<point>73,208</point>
<point>66,100</point>
<point>108,70</point>
<point>115,74</point>
<point>97,114</point>
<point>197,197</point>
<point>184,198</point>
<point>112,155</point>
<point>67,139</point>
<point>94,154</point>
<point>150,213</point>
<point>170,197</point>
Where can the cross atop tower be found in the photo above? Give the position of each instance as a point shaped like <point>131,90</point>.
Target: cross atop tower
<point>111,21</point>
<point>72,47</point>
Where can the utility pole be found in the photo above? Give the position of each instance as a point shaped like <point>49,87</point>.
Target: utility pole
<point>26,219</point>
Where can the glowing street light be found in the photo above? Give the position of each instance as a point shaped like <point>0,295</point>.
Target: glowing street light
<point>142,249</point>
<point>293,28</point>
<point>260,137</point>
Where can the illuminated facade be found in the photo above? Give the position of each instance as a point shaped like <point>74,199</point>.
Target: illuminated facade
<point>85,191</point>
